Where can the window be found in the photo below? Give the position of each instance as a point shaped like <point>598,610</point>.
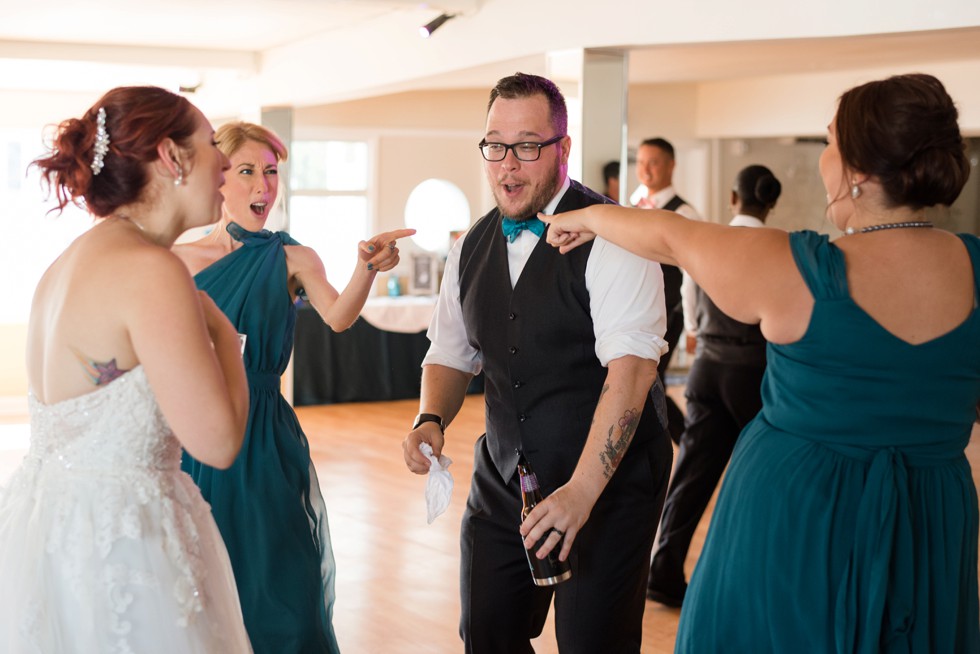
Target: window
<point>32,239</point>
<point>328,206</point>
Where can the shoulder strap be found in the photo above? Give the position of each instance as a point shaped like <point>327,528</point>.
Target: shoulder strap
<point>972,243</point>
<point>820,263</point>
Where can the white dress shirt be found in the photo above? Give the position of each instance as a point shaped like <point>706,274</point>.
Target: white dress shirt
<point>626,302</point>
<point>661,198</point>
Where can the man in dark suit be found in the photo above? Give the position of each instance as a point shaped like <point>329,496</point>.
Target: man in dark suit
<point>569,345</point>
<point>655,170</point>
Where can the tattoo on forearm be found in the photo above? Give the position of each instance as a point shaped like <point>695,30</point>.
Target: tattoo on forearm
<point>615,449</point>
<point>602,393</point>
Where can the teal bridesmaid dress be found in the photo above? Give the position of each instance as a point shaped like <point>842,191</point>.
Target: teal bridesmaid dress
<point>268,505</point>
<point>847,521</point>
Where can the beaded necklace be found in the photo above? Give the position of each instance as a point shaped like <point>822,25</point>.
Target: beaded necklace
<point>877,228</point>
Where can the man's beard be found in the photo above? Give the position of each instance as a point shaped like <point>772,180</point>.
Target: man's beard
<point>536,202</point>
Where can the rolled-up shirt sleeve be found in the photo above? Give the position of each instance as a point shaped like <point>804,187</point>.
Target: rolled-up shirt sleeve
<point>626,295</point>
<point>449,345</point>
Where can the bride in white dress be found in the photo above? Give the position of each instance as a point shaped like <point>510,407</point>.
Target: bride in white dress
<point>105,545</point>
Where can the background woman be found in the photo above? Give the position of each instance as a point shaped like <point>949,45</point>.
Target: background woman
<point>105,545</point>
<point>268,505</point>
<point>847,521</point>
<point>722,396</point>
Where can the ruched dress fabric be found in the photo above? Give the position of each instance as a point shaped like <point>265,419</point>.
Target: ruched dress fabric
<point>268,504</point>
<point>847,521</point>
<point>105,545</point>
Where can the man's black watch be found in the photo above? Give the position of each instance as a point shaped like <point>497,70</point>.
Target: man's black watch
<point>429,417</point>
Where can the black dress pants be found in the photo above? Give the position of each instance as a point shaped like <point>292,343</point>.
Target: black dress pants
<point>675,326</point>
<point>721,399</point>
<point>600,609</point>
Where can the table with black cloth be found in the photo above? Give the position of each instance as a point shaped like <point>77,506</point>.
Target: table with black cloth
<point>367,362</point>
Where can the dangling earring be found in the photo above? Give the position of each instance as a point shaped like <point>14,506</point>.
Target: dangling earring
<point>180,176</point>
<point>855,191</point>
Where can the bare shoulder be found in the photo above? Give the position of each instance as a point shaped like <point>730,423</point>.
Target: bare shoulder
<point>155,271</point>
<point>751,248</point>
<point>197,255</point>
<point>300,258</point>
<point>302,254</point>
<point>765,236</point>
<point>121,257</point>
<point>98,293</point>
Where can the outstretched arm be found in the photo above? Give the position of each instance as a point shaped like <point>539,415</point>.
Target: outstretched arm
<point>749,273</point>
<point>340,310</point>
<point>626,227</point>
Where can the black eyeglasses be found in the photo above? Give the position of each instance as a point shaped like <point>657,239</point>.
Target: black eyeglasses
<point>526,151</point>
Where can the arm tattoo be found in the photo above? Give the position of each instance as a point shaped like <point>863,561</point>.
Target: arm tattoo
<point>605,387</point>
<point>614,450</point>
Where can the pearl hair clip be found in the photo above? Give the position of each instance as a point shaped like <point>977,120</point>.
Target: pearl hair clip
<point>101,147</point>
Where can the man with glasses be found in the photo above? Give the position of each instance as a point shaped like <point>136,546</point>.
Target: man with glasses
<point>569,345</point>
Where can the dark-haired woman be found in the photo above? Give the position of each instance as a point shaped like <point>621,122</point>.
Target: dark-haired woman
<point>723,395</point>
<point>847,521</point>
<point>105,545</point>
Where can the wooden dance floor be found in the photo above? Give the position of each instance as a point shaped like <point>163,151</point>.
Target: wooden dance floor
<point>397,577</point>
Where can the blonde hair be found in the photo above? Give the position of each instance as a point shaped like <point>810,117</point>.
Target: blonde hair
<point>232,136</point>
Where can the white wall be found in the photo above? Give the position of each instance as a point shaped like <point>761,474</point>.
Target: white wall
<point>803,104</point>
<point>433,133</point>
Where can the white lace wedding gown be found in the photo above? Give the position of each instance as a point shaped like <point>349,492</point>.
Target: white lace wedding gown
<point>105,545</point>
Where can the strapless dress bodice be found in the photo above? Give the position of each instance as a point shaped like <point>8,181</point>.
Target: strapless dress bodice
<point>117,428</point>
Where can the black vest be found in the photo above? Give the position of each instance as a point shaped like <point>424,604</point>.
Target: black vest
<point>542,377</point>
<point>672,274</point>
<point>722,338</point>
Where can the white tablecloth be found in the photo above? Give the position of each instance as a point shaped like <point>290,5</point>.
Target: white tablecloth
<point>404,314</point>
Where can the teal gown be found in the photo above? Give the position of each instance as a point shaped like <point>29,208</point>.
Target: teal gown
<point>268,505</point>
<point>847,521</point>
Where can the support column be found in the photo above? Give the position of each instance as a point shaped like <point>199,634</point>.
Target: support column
<point>280,121</point>
<point>596,85</point>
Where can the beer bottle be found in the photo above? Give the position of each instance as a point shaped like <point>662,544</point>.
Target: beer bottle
<point>549,570</point>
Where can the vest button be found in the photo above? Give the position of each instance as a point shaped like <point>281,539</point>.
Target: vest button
<point>518,384</point>
<point>511,316</point>
<point>513,350</point>
<point>522,417</point>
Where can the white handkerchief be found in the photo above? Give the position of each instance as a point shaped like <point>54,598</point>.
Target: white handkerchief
<point>439,486</point>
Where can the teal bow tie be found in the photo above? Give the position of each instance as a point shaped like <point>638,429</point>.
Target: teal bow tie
<point>513,228</point>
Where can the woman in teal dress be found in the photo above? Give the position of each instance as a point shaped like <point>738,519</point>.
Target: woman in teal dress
<point>847,521</point>
<point>268,505</point>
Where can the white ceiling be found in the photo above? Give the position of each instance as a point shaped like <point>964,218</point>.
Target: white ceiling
<point>241,36</point>
<point>726,60</point>
<point>253,25</point>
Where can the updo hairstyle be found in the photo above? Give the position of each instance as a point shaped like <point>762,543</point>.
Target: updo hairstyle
<point>138,118</point>
<point>903,130</point>
<point>757,188</point>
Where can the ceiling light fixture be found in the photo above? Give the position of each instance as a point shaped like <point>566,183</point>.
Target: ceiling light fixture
<point>426,30</point>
